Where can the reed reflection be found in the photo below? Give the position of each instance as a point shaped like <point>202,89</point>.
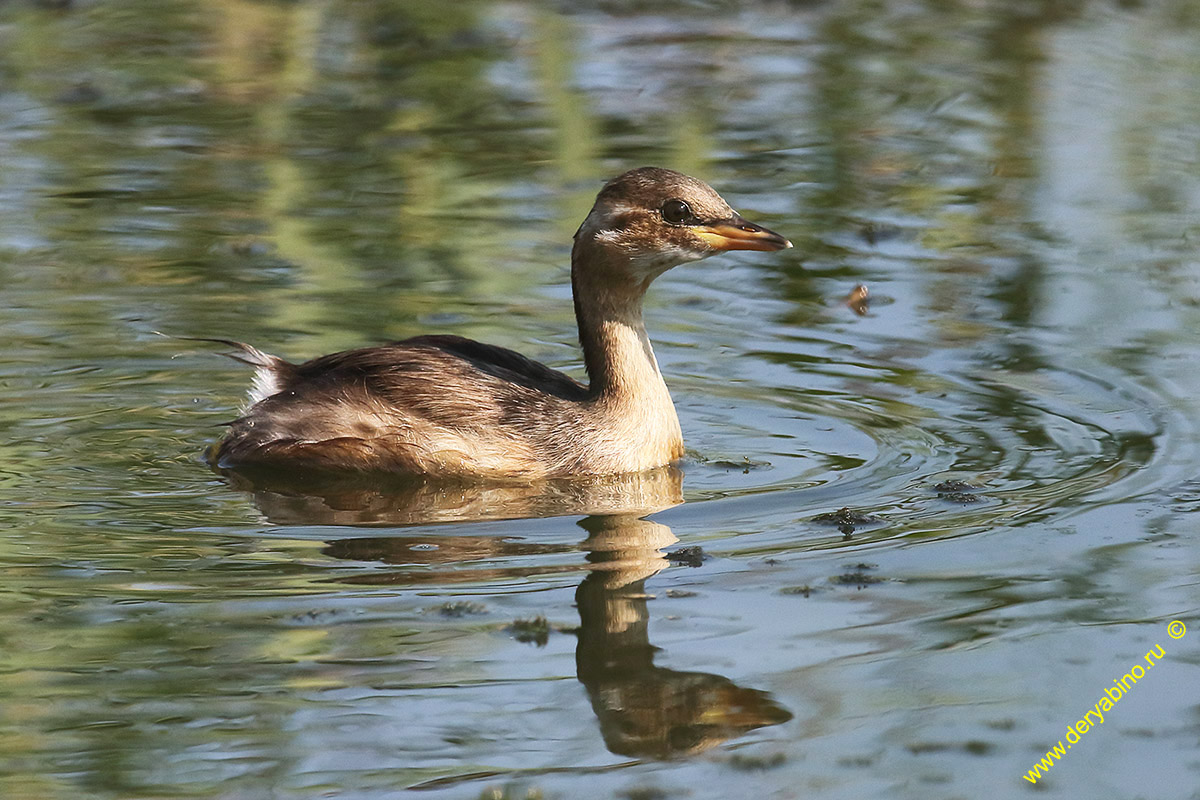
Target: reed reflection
<point>644,710</point>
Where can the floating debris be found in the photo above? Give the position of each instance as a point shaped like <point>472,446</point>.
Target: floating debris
<point>745,465</point>
<point>857,576</point>
<point>973,747</point>
<point>314,615</point>
<point>846,519</point>
<point>957,491</point>
<point>461,608</point>
<point>859,299</point>
<point>688,556</point>
<point>535,631</point>
<point>954,486</point>
<point>846,516</point>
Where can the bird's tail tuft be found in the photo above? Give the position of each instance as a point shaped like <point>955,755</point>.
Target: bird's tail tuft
<point>270,372</point>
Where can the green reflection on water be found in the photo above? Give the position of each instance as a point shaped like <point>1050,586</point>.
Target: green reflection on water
<point>1015,182</point>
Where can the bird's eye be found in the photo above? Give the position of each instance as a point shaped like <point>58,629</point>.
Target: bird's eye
<point>676,212</point>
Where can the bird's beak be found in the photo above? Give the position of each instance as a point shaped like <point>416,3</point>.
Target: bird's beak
<point>736,233</point>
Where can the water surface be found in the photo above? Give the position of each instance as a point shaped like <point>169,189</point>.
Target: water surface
<point>1009,422</point>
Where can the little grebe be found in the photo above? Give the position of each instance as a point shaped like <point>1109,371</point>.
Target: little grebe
<point>449,406</point>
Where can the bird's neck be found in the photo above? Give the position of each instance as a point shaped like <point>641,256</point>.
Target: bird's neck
<point>626,391</point>
<point>620,363</point>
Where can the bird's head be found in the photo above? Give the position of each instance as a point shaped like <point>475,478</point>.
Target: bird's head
<point>652,219</point>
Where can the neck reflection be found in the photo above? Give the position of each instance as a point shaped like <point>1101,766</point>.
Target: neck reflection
<point>645,710</point>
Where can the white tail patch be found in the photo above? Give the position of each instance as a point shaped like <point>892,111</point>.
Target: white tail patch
<point>264,384</point>
<point>268,369</point>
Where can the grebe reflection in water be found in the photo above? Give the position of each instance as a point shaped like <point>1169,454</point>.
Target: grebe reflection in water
<point>644,709</point>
